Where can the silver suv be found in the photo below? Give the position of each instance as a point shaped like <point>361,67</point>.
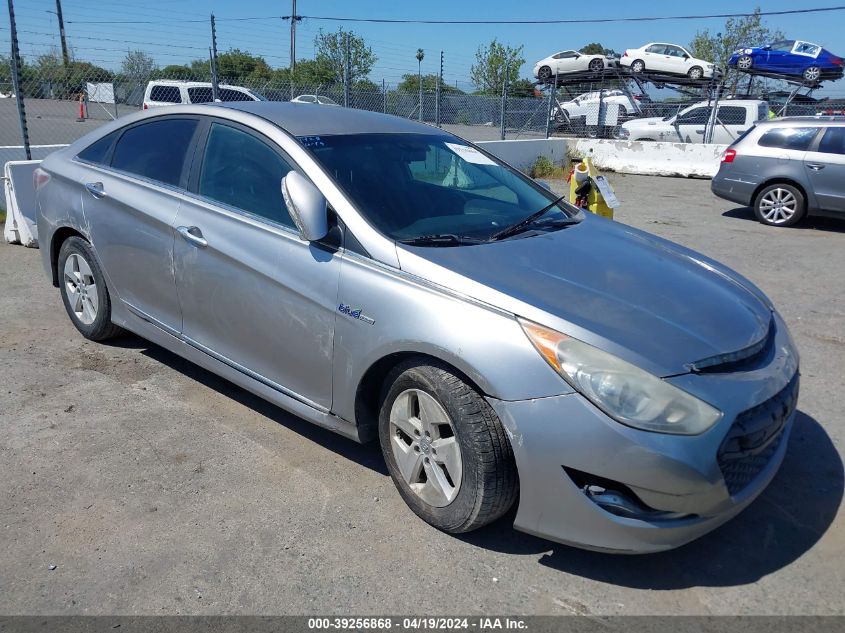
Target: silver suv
<point>786,169</point>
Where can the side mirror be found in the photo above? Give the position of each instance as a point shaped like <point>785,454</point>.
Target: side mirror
<point>686,56</point>
<point>306,206</point>
<point>767,47</point>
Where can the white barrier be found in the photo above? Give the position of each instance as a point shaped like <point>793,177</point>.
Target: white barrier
<point>20,203</point>
<point>624,157</point>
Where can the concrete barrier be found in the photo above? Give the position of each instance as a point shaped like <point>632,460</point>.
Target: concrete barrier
<point>522,153</point>
<point>651,158</point>
<point>624,157</point>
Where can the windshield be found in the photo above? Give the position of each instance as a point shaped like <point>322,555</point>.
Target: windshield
<point>413,185</point>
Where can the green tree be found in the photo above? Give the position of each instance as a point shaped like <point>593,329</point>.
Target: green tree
<point>410,83</point>
<point>137,66</point>
<point>595,48</point>
<point>234,67</point>
<point>330,50</point>
<point>522,88</point>
<point>718,47</point>
<point>309,72</point>
<point>177,71</point>
<point>494,64</point>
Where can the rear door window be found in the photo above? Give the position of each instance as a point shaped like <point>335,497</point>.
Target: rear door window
<point>155,150</point>
<point>795,138</point>
<point>696,116</point>
<point>201,94</point>
<point>833,141</point>
<point>242,171</point>
<point>166,94</point>
<point>732,115</point>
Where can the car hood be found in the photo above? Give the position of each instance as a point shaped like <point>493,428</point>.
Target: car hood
<point>652,302</point>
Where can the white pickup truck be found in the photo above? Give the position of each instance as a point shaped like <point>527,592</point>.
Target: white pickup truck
<point>733,118</point>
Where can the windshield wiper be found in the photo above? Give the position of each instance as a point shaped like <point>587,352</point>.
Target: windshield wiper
<point>522,224</point>
<point>445,239</point>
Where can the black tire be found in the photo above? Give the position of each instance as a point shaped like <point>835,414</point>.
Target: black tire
<point>489,483</point>
<point>745,63</point>
<point>596,65</point>
<point>561,117</point>
<point>637,66</point>
<point>544,73</point>
<point>770,192</point>
<point>101,328</point>
<point>812,74</point>
<point>695,73</point>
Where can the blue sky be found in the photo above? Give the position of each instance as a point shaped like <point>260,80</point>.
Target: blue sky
<point>174,38</point>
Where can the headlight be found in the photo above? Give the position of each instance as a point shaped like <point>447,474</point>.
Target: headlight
<point>626,393</point>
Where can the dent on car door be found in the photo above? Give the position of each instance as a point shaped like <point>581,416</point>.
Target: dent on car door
<point>252,292</point>
<point>129,207</point>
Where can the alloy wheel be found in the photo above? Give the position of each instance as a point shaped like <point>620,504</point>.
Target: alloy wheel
<point>778,206</point>
<point>744,63</point>
<point>425,447</point>
<point>638,66</point>
<point>696,73</point>
<point>813,73</point>
<point>81,288</point>
<point>596,65</point>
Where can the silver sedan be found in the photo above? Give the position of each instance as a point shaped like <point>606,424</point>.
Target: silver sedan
<point>386,280</point>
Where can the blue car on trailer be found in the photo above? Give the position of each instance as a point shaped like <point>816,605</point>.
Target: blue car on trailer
<point>791,58</point>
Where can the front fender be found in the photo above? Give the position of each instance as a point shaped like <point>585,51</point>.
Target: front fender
<point>384,312</point>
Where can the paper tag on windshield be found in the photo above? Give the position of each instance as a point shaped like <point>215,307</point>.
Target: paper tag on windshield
<point>470,154</point>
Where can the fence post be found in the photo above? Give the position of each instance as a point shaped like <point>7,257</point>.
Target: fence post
<point>504,101</point>
<point>550,108</point>
<point>384,94</point>
<point>347,71</point>
<point>16,82</point>
<point>439,94</point>
<point>215,89</point>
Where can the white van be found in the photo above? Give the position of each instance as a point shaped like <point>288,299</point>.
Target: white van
<point>163,92</point>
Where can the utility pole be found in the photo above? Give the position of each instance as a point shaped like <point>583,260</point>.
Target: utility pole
<point>347,70</point>
<point>437,111</point>
<point>293,20</point>
<point>65,57</point>
<point>215,88</point>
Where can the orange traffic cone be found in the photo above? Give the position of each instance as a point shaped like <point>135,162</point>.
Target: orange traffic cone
<point>81,107</point>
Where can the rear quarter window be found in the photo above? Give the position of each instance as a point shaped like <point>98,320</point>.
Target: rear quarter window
<point>97,152</point>
<point>795,138</point>
<point>166,94</point>
<point>833,141</point>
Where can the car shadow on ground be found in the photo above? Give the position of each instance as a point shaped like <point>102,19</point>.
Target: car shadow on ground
<point>788,518</point>
<point>368,455</point>
<point>832,225</point>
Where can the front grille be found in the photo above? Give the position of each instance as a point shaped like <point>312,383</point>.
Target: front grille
<point>754,438</point>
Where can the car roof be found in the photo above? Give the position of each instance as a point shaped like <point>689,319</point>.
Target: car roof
<point>307,119</point>
<point>828,120</point>
<point>191,84</point>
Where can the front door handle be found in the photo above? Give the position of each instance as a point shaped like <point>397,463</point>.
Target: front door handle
<point>815,166</point>
<point>193,235</point>
<point>96,189</point>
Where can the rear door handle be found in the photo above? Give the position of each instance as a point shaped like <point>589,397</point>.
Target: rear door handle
<point>815,166</point>
<point>96,189</point>
<point>193,235</point>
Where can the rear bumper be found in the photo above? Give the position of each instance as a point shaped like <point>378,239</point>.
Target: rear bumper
<point>736,187</point>
<point>676,481</point>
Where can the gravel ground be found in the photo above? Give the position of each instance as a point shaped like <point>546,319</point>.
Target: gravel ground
<point>155,487</point>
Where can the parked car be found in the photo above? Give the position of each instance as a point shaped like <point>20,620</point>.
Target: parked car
<point>588,103</point>
<point>385,279</point>
<point>165,92</point>
<point>787,169</point>
<point>318,99</point>
<point>795,58</point>
<point>733,118</point>
<point>669,59</point>
<point>571,62</point>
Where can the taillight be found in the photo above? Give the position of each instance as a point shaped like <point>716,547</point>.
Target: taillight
<point>637,97</point>
<point>837,61</point>
<point>39,178</point>
<point>729,155</point>
<point>146,107</point>
<point>625,54</point>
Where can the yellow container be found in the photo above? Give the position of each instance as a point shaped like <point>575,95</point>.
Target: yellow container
<point>595,202</point>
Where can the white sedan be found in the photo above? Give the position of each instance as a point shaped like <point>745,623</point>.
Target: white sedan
<point>318,99</point>
<point>570,62</point>
<point>670,59</point>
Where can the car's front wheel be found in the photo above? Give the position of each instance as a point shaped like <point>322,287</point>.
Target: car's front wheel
<point>84,292</point>
<point>544,73</point>
<point>445,448</point>
<point>779,205</point>
<point>745,62</point>
<point>695,73</point>
<point>596,65</point>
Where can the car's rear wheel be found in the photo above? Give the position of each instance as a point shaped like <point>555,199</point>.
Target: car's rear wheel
<point>812,74</point>
<point>779,205</point>
<point>596,65</point>
<point>84,292</point>
<point>637,66</point>
<point>445,448</point>
<point>544,73</point>
<point>695,73</point>
<point>745,62</point>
